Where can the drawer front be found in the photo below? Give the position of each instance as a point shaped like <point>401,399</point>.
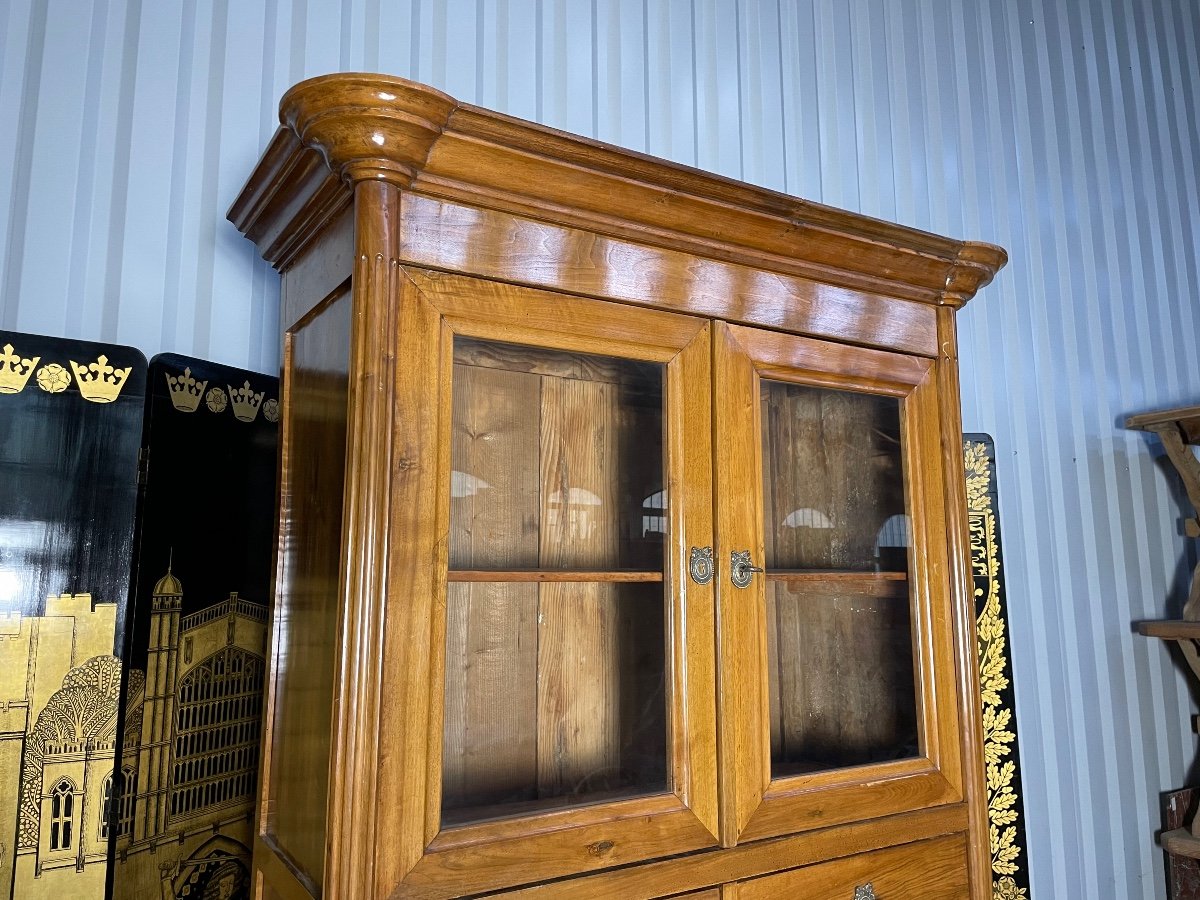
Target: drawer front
<point>926,870</point>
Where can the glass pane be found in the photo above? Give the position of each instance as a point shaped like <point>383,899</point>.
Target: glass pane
<point>833,480</point>
<point>839,635</point>
<point>554,697</point>
<point>556,459</point>
<point>555,636</point>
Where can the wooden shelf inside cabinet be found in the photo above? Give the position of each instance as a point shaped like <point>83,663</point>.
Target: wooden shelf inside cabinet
<point>552,575</point>
<point>872,584</point>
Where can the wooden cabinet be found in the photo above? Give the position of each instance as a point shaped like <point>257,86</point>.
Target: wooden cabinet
<point>622,522</point>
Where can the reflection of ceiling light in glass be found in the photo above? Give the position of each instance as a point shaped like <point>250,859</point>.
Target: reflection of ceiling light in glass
<point>894,533</point>
<point>807,518</point>
<point>465,485</point>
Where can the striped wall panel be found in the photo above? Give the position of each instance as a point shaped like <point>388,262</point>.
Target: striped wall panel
<point>1067,132</point>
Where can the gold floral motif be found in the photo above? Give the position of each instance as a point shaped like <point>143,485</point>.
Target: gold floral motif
<point>1007,889</point>
<point>271,410</point>
<point>993,643</point>
<point>215,400</point>
<point>53,378</point>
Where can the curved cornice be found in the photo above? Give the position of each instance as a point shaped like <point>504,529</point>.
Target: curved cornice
<point>367,126</point>
<point>339,129</point>
<point>975,266</point>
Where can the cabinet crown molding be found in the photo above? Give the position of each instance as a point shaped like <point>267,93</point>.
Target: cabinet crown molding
<point>367,126</point>
<point>343,128</point>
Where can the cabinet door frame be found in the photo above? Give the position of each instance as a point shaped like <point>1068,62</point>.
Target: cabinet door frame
<point>754,806</point>
<point>430,860</point>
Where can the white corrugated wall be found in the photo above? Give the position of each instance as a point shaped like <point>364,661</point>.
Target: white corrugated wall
<point>1066,131</point>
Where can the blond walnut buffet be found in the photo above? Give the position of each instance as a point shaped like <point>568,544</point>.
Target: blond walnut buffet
<point>622,524</point>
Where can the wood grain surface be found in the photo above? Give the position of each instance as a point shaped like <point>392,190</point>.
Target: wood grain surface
<point>928,870</point>
<point>730,865</point>
<point>295,774</point>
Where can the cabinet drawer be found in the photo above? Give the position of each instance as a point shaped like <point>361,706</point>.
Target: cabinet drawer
<point>926,870</point>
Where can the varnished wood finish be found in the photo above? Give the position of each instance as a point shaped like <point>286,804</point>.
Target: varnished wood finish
<point>744,861</point>
<point>762,807</point>
<point>498,245</point>
<point>468,858</point>
<point>743,712</point>
<point>413,648</point>
<point>319,271</point>
<point>930,870</point>
<point>951,486</point>
<point>366,542</point>
<point>297,745</point>
<point>425,140</point>
<point>444,236</point>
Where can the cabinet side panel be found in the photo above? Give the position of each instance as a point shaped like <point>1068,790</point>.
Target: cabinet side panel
<point>307,590</point>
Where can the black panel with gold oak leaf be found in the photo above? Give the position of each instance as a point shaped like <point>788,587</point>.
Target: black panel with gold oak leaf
<point>1010,866</point>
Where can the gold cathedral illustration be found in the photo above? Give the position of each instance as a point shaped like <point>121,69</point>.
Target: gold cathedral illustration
<point>59,684</point>
<point>190,754</point>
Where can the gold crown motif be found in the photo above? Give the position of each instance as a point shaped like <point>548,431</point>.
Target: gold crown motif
<point>245,402</point>
<point>14,371</point>
<point>185,390</point>
<point>99,382</point>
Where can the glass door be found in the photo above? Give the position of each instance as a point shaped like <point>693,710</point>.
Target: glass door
<point>833,539</point>
<point>556,645</point>
<point>572,698</point>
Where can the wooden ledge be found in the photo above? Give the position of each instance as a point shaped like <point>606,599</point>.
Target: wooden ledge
<point>1171,629</point>
<point>357,126</point>
<point>1180,842</point>
<point>1186,418</point>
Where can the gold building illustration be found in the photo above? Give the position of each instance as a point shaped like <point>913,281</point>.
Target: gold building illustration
<point>59,684</point>
<point>190,751</point>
